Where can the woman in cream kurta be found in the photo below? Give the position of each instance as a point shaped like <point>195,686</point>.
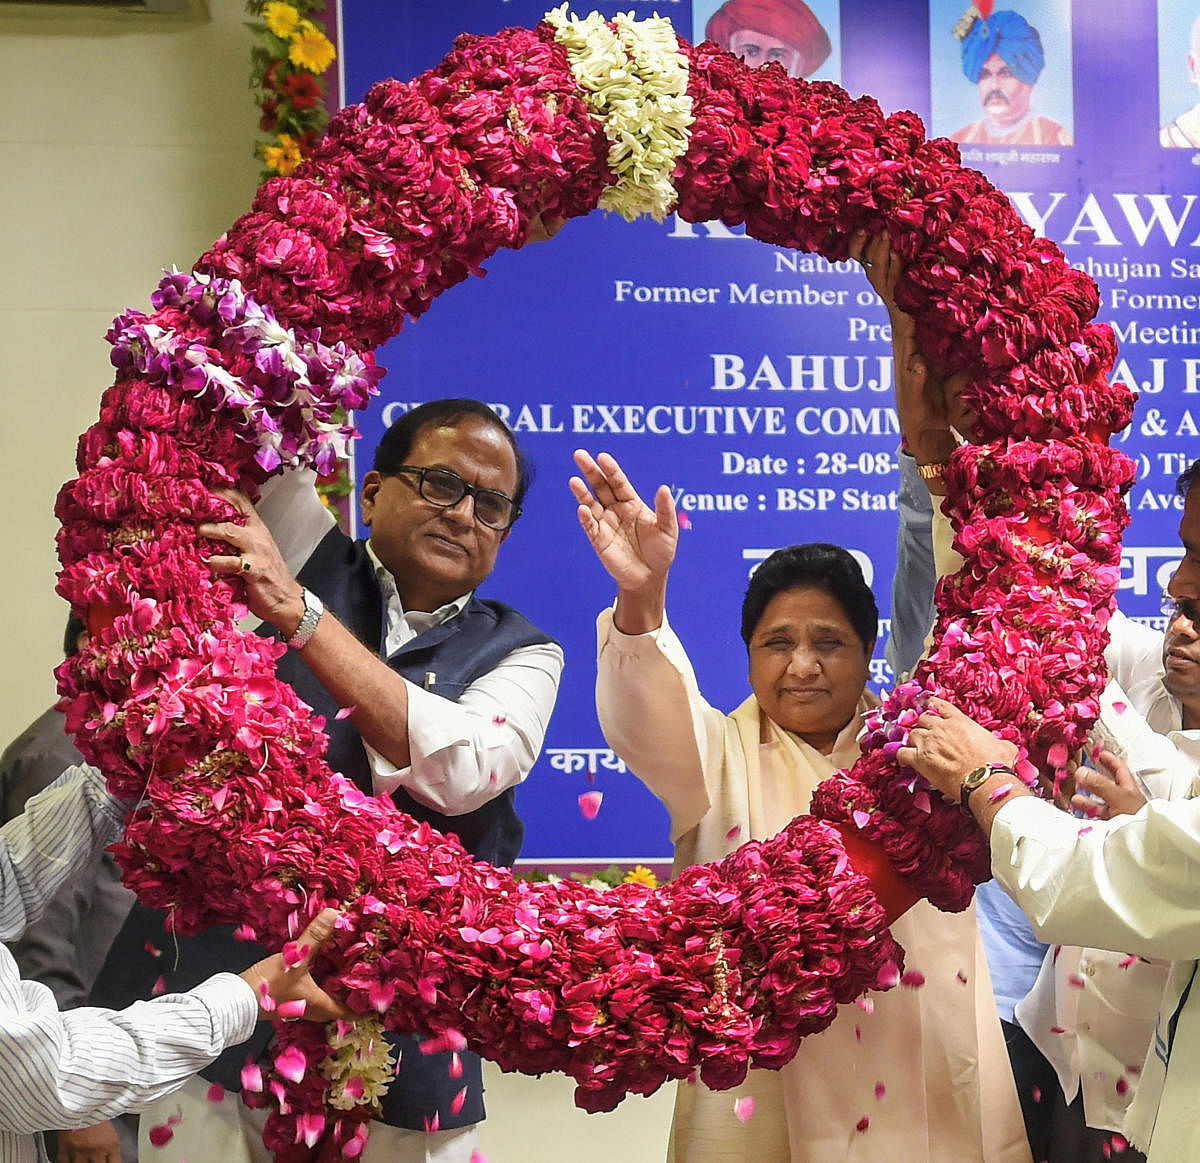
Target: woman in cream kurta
<point>913,1074</point>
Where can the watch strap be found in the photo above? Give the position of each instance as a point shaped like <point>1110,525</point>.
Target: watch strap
<point>979,776</point>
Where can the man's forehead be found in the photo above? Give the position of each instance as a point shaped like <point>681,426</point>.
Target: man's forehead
<point>1189,524</point>
<point>472,437</point>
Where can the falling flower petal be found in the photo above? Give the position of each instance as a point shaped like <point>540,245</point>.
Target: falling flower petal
<point>744,1108</point>
<point>456,1066</point>
<point>292,1064</point>
<point>159,987</point>
<point>153,949</point>
<point>589,804</point>
<point>345,712</point>
<point>913,979</point>
<point>961,977</point>
<point>215,1093</point>
<point>290,1010</point>
<point>1037,1094</point>
<point>252,1078</point>
<point>161,1135</point>
<point>862,1123</point>
<point>685,522</point>
<point>1120,707</point>
<point>446,1040</point>
<point>880,1090</point>
<point>458,1101</point>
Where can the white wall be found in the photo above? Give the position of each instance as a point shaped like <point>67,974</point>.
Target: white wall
<point>126,147</point>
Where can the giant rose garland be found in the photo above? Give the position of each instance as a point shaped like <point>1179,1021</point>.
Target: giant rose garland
<point>248,362</point>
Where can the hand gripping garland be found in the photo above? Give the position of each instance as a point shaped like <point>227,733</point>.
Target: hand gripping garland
<point>246,363</point>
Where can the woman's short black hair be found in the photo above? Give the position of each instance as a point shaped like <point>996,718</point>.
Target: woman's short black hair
<point>392,451</point>
<point>818,566</point>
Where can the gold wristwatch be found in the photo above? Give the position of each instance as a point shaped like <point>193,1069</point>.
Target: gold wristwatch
<point>975,779</point>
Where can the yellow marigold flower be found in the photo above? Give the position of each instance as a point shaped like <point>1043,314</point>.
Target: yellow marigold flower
<point>310,48</point>
<point>284,157</point>
<point>282,19</point>
<point>640,874</point>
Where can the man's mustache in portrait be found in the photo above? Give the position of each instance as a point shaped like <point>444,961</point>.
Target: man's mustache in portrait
<point>995,95</point>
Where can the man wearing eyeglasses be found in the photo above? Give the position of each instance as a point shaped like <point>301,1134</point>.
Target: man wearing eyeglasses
<point>444,696</point>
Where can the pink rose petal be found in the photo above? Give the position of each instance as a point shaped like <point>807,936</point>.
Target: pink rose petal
<point>913,979</point>
<point>159,987</point>
<point>1126,962</point>
<point>862,1124</point>
<point>589,804</point>
<point>880,1090</point>
<point>215,1093</point>
<point>1120,707</point>
<point>1037,1094</point>
<point>445,1041</point>
<point>861,818</point>
<point>292,1064</point>
<point>458,1102</point>
<point>456,1066</point>
<point>734,832</point>
<point>345,712</point>
<point>153,949</point>
<point>161,1135</point>
<point>685,522</point>
<point>290,1010</point>
<point>252,1078</point>
<point>743,1108</point>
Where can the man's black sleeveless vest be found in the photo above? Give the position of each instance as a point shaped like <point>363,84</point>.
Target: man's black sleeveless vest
<point>444,659</point>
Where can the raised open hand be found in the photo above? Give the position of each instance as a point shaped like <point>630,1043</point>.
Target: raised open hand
<point>635,543</point>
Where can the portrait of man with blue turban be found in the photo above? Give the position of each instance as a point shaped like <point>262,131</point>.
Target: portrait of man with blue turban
<point>1002,54</point>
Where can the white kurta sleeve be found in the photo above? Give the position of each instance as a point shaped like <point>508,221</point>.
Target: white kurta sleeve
<point>654,717</point>
<point>1128,884</point>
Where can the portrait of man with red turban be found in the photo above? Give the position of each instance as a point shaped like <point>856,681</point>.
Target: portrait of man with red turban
<point>761,31</point>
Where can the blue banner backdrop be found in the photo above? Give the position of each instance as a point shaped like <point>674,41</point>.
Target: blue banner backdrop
<point>756,382</point>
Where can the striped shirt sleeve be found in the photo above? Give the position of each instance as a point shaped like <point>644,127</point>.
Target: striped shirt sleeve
<point>79,1067</point>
